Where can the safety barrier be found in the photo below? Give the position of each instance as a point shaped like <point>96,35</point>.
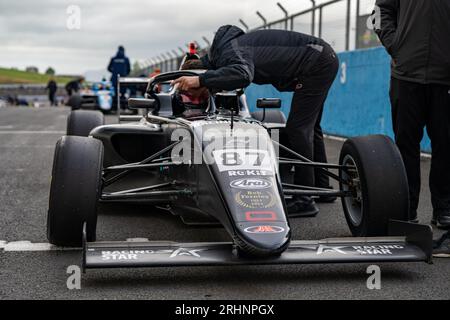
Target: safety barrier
<point>342,23</point>
<point>358,102</point>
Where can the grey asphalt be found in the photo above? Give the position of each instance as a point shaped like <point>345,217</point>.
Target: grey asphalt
<point>27,139</point>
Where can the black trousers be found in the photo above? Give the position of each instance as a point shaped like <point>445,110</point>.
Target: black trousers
<point>414,107</point>
<point>52,98</point>
<point>303,125</point>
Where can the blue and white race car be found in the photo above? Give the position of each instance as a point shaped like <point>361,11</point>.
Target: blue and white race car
<point>98,96</point>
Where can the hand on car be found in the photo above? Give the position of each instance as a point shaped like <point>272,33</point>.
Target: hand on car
<point>187,83</point>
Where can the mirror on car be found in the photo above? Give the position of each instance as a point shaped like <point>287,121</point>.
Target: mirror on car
<point>141,103</point>
<point>268,103</point>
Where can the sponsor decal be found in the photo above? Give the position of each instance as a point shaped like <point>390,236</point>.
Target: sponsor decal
<point>251,183</point>
<point>362,250</point>
<point>242,159</point>
<point>260,216</point>
<point>136,254</point>
<point>255,199</point>
<point>325,249</point>
<point>241,173</point>
<point>264,229</point>
<point>377,250</point>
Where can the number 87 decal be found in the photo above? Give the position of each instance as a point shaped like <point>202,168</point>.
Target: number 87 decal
<point>238,159</point>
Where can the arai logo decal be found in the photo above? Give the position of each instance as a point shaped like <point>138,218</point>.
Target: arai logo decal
<point>264,229</point>
<point>251,183</point>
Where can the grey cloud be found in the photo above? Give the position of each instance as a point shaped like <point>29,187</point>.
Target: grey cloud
<point>34,32</point>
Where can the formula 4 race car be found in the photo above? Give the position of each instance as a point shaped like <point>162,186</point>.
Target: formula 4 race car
<point>98,96</point>
<point>212,162</point>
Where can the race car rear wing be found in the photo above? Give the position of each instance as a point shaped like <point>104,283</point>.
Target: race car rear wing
<point>409,243</point>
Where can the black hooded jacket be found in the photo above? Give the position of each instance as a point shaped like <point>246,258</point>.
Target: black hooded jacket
<point>275,57</point>
<point>119,64</point>
<point>416,33</point>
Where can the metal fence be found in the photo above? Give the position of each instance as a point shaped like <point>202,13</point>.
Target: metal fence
<point>342,23</point>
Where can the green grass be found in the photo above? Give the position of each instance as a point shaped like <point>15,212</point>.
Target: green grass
<point>11,76</point>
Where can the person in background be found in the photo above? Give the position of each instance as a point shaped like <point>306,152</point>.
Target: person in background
<point>74,86</point>
<point>72,89</point>
<point>118,65</point>
<point>52,87</point>
<point>290,61</point>
<point>416,34</point>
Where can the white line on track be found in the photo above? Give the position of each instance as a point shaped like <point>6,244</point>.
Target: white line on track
<point>22,246</point>
<point>34,146</point>
<point>31,132</point>
<point>28,246</point>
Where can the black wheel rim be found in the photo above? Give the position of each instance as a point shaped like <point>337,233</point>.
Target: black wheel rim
<point>354,203</point>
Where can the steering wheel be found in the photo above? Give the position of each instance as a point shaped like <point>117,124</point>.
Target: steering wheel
<point>169,76</point>
<point>165,77</point>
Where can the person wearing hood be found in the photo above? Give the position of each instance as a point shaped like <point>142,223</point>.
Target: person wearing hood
<point>290,61</point>
<point>119,65</point>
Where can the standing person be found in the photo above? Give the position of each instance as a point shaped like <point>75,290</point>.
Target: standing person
<point>52,87</point>
<point>417,36</point>
<point>290,61</point>
<point>118,65</point>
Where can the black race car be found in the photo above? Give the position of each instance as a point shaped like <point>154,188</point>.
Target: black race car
<point>208,160</point>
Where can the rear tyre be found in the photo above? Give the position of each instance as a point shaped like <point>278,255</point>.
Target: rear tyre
<point>81,122</point>
<point>378,186</point>
<point>74,191</point>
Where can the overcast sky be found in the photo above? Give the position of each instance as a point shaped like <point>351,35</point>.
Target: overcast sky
<point>34,32</point>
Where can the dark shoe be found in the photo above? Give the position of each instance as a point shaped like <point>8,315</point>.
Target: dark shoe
<point>302,207</point>
<point>441,247</point>
<point>326,199</point>
<point>443,219</point>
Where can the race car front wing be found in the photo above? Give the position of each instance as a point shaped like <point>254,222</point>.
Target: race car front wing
<point>409,243</point>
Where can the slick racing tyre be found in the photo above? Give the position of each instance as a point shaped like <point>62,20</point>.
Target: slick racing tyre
<point>272,116</point>
<point>75,101</point>
<point>75,190</point>
<point>81,122</point>
<point>377,184</point>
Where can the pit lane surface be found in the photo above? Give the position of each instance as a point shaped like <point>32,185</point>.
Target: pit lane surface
<point>27,139</point>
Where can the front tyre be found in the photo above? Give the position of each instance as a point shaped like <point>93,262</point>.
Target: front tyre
<point>74,191</point>
<point>377,184</point>
<point>81,122</point>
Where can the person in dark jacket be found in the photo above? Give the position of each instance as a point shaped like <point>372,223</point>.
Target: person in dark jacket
<point>52,87</point>
<point>119,65</point>
<point>417,36</point>
<point>74,86</point>
<point>290,61</point>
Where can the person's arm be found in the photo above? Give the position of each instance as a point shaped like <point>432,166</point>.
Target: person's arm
<point>110,66</point>
<point>230,77</point>
<point>385,22</point>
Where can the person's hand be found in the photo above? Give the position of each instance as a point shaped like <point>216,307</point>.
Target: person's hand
<point>187,83</point>
<point>198,92</point>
